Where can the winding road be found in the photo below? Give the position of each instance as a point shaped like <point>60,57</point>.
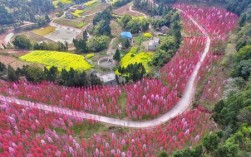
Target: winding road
<point>180,107</point>
<point>6,38</point>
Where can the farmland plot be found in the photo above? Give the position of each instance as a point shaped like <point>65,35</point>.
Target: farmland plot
<point>62,60</point>
<point>63,34</point>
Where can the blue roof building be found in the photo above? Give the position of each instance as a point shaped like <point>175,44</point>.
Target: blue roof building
<point>126,35</point>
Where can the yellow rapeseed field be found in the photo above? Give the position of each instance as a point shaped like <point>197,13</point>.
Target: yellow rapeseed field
<point>78,13</point>
<point>147,35</point>
<point>55,2</point>
<point>61,60</point>
<point>90,55</point>
<point>142,57</point>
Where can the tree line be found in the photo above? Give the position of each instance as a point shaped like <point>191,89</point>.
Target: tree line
<point>24,43</point>
<point>23,11</point>
<point>134,24</point>
<point>150,8</point>
<point>36,74</point>
<point>133,72</point>
<point>120,3</point>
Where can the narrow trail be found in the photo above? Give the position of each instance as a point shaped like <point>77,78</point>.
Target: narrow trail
<point>134,11</point>
<point>110,50</point>
<point>180,107</point>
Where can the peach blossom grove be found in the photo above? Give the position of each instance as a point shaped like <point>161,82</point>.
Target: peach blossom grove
<point>29,131</point>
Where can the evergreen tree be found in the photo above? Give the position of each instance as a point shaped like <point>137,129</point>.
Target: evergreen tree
<point>127,43</point>
<point>12,76</point>
<point>80,45</point>
<point>2,67</point>
<point>47,19</point>
<point>51,74</point>
<point>85,36</point>
<point>116,56</point>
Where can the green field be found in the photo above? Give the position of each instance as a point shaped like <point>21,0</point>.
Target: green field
<point>71,23</point>
<point>132,57</point>
<point>44,31</point>
<point>61,60</point>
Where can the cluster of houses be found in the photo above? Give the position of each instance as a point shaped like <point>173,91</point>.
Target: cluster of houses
<point>152,45</point>
<point>110,78</point>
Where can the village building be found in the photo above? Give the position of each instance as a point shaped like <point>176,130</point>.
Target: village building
<point>153,44</point>
<point>108,79</point>
<point>68,15</point>
<point>126,35</point>
<point>164,29</point>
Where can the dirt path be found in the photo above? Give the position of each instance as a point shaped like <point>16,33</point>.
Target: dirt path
<point>134,11</point>
<point>110,50</point>
<point>178,109</point>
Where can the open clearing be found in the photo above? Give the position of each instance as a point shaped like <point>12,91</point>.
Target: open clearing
<point>115,28</point>
<point>63,34</point>
<point>125,10</point>
<point>61,60</point>
<point>44,31</point>
<point>34,37</point>
<point>95,7</point>
<point>12,61</point>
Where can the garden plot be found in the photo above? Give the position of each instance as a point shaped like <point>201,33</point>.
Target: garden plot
<point>44,31</point>
<point>63,34</point>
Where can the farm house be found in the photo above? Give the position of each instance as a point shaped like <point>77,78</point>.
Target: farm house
<point>153,44</point>
<point>126,35</point>
<point>108,79</point>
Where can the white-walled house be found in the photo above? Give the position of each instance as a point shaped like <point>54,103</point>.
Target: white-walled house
<point>153,44</point>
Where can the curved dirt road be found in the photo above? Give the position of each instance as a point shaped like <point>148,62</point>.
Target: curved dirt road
<point>180,107</point>
<point>134,11</point>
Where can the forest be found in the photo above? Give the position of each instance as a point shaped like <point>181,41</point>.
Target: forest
<point>13,11</point>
